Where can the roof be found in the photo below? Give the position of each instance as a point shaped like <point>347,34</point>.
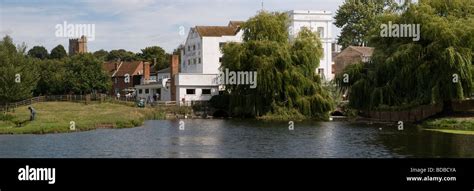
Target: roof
<point>365,51</point>
<point>216,31</point>
<point>132,68</point>
<point>166,70</point>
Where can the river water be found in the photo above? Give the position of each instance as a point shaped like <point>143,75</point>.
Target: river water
<point>241,139</point>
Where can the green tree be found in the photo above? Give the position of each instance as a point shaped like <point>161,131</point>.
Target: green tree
<point>84,74</point>
<point>17,72</point>
<point>52,78</point>
<point>121,54</point>
<point>287,85</point>
<point>38,52</point>
<point>435,69</point>
<point>358,18</point>
<point>58,52</point>
<point>101,54</point>
<point>149,54</point>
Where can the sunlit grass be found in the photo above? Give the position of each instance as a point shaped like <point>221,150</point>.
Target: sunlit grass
<point>55,117</point>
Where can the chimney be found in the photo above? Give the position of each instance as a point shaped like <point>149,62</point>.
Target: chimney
<point>174,69</point>
<point>146,71</point>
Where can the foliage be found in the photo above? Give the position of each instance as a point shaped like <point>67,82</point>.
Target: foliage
<point>18,75</point>
<point>58,52</point>
<point>286,76</point>
<point>406,72</point>
<point>149,54</point>
<point>38,52</point>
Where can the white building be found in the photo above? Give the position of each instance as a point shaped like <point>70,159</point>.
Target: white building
<point>156,87</point>
<point>201,54</point>
<point>321,23</point>
<point>201,58</point>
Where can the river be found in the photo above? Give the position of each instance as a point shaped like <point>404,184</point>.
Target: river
<point>241,139</point>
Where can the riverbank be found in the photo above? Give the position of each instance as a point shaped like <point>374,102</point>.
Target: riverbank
<point>56,117</point>
<point>455,125</point>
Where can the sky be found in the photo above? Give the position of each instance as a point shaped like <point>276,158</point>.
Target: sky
<point>132,24</point>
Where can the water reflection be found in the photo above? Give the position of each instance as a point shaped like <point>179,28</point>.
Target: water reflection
<point>241,139</point>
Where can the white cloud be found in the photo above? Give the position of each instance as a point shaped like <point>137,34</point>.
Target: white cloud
<point>135,24</point>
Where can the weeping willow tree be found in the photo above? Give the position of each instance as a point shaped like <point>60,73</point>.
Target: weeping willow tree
<point>403,72</point>
<point>286,81</point>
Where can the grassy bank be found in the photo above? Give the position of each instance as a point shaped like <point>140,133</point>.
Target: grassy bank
<point>460,125</point>
<point>55,117</point>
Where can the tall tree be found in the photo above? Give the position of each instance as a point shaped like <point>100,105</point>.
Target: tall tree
<point>58,52</point>
<point>18,75</point>
<point>435,69</point>
<point>149,54</point>
<point>286,81</point>
<point>101,54</point>
<point>84,74</point>
<point>38,52</point>
<point>121,54</point>
<point>358,18</point>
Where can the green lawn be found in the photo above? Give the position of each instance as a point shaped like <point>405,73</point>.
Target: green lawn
<point>55,117</point>
<point>460,125</point>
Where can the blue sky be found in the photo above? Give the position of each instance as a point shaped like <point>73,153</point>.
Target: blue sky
<point>132,24</point>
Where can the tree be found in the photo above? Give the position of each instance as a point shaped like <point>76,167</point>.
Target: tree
<point>58,52</point>
<point>149,54</point>
<point>121,54</point>
<point>17,72</point>
<point>435,69</point>
<point>84,74</point>
<point>287,83</point>
<point>101,54</point>
<point>38,52</point>
<point>52,78</point>
<point>357,18</point>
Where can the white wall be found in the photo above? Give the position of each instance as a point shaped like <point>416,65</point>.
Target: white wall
<point>192,55</point>
<point>211,51</point>
<point>313,20</point>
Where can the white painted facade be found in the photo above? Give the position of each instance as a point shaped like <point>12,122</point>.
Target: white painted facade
<point>200,62</point>
<point>200,59</point>
<point>319,22</point>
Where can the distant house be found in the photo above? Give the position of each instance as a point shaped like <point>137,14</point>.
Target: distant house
<point>351,55</point>
<point>158,87</point>
<point>126,75</point>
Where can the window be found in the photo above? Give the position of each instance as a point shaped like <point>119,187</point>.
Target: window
<point>194,47</point>
<point>321,73</point>
<point>194,61</point>
<point>191,91</point>
<point>140,91</point>
<point>199,61</point>
<point>189,48</point>
<point>321,32</point>
<point>189,61</point>
<point>206,91</point>
<point>147,91</point>
<point>220,59</point>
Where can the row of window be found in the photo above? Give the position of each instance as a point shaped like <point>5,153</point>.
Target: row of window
<point>193,47</point>
<point>193,91</point>
<point>194,61</point>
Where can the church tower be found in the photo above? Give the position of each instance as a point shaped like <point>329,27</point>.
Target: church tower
<point>78,45</point>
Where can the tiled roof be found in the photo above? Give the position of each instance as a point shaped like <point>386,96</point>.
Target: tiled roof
<point>366,51</point>
<point>132,68</point>
<point>216,31</point>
